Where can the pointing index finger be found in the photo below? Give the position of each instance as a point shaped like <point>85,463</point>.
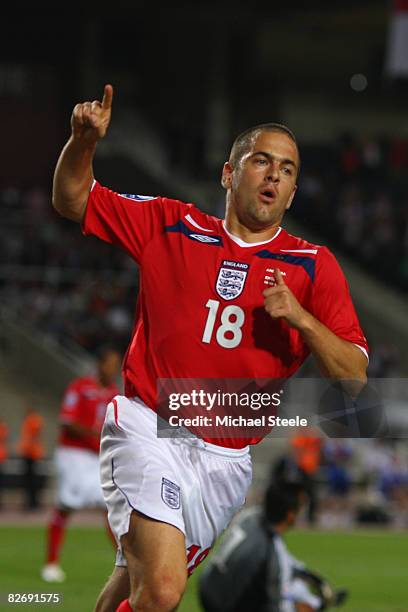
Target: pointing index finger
<point>107,97</point>
<point>279,277</point>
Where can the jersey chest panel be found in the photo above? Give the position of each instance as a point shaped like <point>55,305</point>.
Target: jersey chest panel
<point>214,305</point>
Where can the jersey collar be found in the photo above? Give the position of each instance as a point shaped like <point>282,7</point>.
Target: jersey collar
<point>247,245</point>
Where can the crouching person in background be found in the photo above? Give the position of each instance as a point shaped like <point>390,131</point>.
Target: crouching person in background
<point>253,569</point>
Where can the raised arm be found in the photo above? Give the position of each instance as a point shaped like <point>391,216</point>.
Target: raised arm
<point>73,175</point>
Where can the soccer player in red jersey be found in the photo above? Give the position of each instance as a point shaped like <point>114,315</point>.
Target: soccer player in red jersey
<point>229,298</point>
<point>77,456</point>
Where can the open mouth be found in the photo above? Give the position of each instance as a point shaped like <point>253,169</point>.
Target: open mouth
<point>267,195</point>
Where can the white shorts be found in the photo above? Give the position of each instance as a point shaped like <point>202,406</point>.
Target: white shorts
<point>78,478</point>
<point>299,592</point>
<point>188,483</point>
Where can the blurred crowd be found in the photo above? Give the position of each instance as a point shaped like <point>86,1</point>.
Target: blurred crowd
<point>348,481</point>
<point>29,450</point>
<point>75,290</point>
<point>356,195</point>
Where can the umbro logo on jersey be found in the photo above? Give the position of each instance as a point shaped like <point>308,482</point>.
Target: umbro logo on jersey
<point>170,494</point>
<point>202,238</point>
<point>181,228</point>
<point>231,279</point>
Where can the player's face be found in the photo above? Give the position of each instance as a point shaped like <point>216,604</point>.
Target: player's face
<point>109,367</point>
<point>262,185</point>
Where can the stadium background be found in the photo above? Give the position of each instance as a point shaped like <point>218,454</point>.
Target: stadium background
<point>187,79</point>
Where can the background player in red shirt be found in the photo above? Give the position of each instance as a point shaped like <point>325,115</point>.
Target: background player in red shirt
<point>77,457</point>
<point>168,502</point>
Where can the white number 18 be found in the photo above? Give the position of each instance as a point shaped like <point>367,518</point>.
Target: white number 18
<point>227,325</point>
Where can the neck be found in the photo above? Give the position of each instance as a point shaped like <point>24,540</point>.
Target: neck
<point>246,233</point>
<point>250,235</point>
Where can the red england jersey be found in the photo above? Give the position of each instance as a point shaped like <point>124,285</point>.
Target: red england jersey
<point>84,403</point>
<point>200,310</point>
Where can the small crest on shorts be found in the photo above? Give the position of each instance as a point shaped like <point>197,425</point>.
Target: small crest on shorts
<point>231,279</point>
<point>170,493</point>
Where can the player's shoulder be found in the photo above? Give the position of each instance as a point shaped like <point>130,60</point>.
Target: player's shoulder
<point>199,220</point>
<point>297,245</point>
<point>186,218</point>
<point>170,210</point>
<point>133,199</point>
<point>83,382</point>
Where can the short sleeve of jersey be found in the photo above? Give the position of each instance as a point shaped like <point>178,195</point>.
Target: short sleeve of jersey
<point>129,221</point>
<point>332,304</point>
<point>70,403</point>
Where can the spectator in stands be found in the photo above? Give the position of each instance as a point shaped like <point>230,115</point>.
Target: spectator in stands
<point>349,156</point>
<point>299,466</point>
<point>3,454</point>
<point>384,360</point>
<point>306,450</point>
<point>31,449</point>
<point>337,454</point>
<point>393,479</point>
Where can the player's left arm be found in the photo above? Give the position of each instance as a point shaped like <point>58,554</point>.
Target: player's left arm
<point>337,358</point>
<point>79,431</point>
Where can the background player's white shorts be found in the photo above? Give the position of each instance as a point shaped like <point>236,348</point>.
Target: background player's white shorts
<point>299,592</point>
<point>188,483</point>
<point>78,478</point>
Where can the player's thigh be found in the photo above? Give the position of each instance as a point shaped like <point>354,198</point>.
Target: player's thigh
<point>115,591</point>
<point>155,553</point>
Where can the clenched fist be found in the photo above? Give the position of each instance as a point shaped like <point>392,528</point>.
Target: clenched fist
<point>90,120</point>
<point>280,302</point>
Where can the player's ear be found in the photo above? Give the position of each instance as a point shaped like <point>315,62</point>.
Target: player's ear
<point>292,195</point>
<point>226,179</point>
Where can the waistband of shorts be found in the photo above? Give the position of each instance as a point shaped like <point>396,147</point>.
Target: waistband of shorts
<point>225,451</point>
<point>215,449</point>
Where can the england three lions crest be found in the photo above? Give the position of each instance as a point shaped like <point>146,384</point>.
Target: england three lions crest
<point>170,494</point>
<point>231,279</point>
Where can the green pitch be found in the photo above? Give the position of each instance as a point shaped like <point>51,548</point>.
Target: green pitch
<point>372,564</point>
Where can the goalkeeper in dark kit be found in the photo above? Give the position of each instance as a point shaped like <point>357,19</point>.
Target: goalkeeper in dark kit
<point>253,569</point>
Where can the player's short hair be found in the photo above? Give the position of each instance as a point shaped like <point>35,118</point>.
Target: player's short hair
<point>245,140</point>
<point>281,499</point>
